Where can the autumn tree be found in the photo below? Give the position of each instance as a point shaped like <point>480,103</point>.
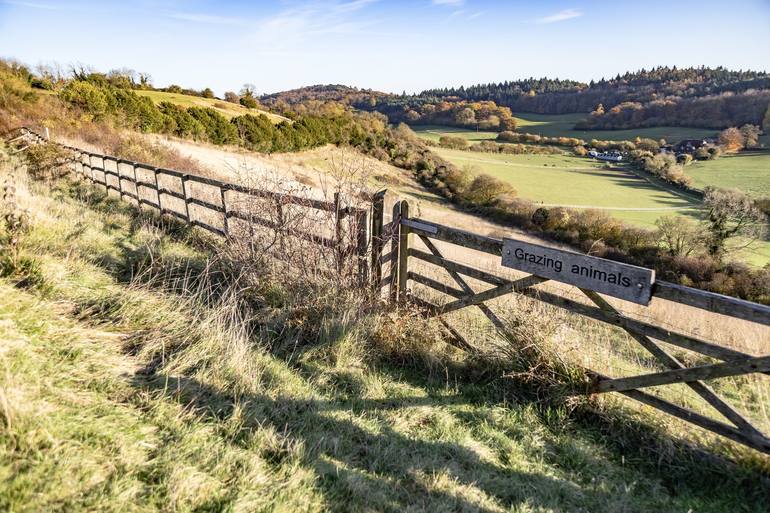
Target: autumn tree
<point>232,97</point>
<point>731,139</point>
<point>679,236</point>
<point>465,116</point>
<point>750,135</point>
<point>731,213</point>
<point>486,190</point>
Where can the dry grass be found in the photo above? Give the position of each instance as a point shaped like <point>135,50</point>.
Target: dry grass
<point>148,375</point>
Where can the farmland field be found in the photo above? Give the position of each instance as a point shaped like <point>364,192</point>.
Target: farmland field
<point>578,182</point>
<point>562,125</point>
<point>227,109</point>
<point>582,183</point>
<point>748,171</point>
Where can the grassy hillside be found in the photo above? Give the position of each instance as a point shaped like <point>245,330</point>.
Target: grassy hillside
<point>562,125</point>
<point>564,180</point>
<point>227,109</point>
<point>578,182</point>
<point>748,171</point>
<point>124,390</point>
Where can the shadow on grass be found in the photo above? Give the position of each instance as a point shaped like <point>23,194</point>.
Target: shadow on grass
<point>396,468</point>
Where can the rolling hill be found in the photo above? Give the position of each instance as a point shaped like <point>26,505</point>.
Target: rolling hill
<point>227,109</point>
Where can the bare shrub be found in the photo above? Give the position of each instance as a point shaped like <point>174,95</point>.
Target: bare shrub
<point>47,161</point>
<point>297,232</point>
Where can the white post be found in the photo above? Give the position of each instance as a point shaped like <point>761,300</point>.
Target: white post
<point>47,134</point>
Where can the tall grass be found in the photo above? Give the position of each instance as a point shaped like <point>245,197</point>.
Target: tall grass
<point>158,371</point>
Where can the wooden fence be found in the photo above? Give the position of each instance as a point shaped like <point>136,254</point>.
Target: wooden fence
<point>379,243</point>
<point>172,193</point>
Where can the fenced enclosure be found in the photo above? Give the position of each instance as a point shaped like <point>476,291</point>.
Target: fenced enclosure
<point>385,255</point>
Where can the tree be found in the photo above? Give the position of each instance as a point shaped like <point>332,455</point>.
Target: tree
<point>207,93</point>
<point>248,102</point>
<point>750,135</point>
<point>766,120</point>
<point>232,97</point>
<point>678,235</point>
<point>731,139</point>
<point>145,80</point>
<point>248,90</point>
<point>486,190</point>
<point>465,116</point>
<point>731,213</point>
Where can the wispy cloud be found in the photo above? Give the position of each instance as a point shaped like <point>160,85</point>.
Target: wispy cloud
<point>208,19</point>
<point>451,3</point>
<point>32,5</point>
<point>566,14</point>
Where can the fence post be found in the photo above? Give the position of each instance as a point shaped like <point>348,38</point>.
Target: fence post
<point>157,190</point>
<point>186,204</point>
<point>338,233</point>
<point>224,211</point>
<point>104,174</point>
<point>136,186</point>
<point>378,220</point>
<point>120,179</point>
<point>403,251</point>
<point>362,241</point>
<point>394,251</point>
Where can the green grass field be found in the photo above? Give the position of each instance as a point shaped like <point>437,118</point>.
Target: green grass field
<point>748,171</point>
<point>227,109</point>
<point>580,183</point>
<point>583,183</point>
<point>562,125</point>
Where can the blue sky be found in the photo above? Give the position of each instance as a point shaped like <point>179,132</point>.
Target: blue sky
<point>381,44</point>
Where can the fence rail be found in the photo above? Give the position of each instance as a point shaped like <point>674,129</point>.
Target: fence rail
<point>648,334</point>
<point>378,243</point>
<point>105,170</point>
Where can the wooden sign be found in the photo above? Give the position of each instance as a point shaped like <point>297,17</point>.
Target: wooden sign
<point>615,279</point>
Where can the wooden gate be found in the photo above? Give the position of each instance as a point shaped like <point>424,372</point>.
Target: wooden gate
<point>647,334</point>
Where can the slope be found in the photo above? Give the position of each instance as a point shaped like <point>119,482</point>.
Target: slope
<point>122,391</point>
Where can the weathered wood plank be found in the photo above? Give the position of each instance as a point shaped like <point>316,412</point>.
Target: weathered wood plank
<point>628,282</point>
<point>755,441</point>
<point>642,328</point>
<point>455,236</point>
<point>687,375</point>
<point>487,295</point>
<point>457,267</point>
<point>706,393</point>
<point>713,302</point>
<point>493,318</point>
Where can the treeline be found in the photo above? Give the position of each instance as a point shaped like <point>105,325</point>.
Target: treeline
<point>715,111</point>
<point>546,96</point>
<point>102,100</point>
<point>483,115</point>
<point>461,143</point>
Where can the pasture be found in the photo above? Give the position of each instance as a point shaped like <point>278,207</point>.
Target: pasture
<point>748,171</point>
<point>562,125</point>
<point>579,183</point>
<point>565,180</point>
<point>227,109</point>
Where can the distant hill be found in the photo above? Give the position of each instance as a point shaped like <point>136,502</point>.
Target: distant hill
<point>712,98</point>
<point>227,109</point>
